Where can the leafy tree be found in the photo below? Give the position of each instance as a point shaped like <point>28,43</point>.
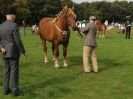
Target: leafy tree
<point>66,3</point>
<point>22,10</point>
<point>4,4</point>
<point>43,8</point>
<point>33,10</point>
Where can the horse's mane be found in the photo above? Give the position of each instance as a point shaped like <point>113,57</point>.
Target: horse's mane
<point>61,12</point>
<point>58,15</point>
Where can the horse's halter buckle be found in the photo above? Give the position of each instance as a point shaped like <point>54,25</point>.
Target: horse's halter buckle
<point>64,32</point>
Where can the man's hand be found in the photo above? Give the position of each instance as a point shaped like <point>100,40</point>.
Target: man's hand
<point>3,51</point>
<point>24,55</point>
<point>77,28</point>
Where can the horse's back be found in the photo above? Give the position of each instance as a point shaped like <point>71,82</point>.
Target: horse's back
<point>45,28</point>
<point>45,20</point>
<point>101,26</point>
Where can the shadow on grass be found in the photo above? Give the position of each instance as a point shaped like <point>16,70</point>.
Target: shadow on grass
<point>111,63</point>
<point>75,60</point>
<point>49,87</point>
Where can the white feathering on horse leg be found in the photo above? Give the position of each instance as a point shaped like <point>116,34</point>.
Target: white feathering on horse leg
<point>53,58</point>
<point>57,65</point>
<point>65,64</point>
<point>45,60</point>
<point>103,36</point>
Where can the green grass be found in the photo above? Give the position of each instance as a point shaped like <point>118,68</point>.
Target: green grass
<point>43,81</point>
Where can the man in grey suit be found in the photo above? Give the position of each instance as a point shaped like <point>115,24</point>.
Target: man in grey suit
<point>11,43</point>
<point>89,45</point>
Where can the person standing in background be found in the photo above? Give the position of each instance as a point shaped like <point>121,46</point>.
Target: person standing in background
<point>128,29</point>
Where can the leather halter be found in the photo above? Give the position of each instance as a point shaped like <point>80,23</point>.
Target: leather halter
<point>58,28</point>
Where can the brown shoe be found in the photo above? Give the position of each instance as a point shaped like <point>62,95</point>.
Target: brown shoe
<point>86,69</point>
<point>95,70</point>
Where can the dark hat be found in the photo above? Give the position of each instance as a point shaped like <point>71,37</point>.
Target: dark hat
<point>11,11</point>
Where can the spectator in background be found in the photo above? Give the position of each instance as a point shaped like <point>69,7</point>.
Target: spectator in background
<point>128,29</point>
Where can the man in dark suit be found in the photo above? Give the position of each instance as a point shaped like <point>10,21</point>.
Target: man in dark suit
<point>11,42</point>
<point>128,29</point>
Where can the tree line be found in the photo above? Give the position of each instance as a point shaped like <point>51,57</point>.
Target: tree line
<point>33,10</point>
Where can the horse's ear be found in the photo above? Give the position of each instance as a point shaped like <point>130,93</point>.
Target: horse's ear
<point>65,7</point>
<point>73,8</point>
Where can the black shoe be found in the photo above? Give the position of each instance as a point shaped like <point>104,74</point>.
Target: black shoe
<point>18,93</point>
<point>7,92</point>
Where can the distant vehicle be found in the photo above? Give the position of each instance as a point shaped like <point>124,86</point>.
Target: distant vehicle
<point>81,24</point>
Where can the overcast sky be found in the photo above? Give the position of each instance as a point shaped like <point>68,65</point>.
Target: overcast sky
<point>79,1</point>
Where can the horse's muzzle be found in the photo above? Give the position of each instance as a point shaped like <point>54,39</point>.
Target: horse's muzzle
<point>74,28</point>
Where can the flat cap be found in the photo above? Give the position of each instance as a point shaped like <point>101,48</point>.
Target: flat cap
<point>92,18</point>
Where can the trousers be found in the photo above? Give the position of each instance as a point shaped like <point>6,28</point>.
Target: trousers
<point>11,74</point>
<point>89,53</point>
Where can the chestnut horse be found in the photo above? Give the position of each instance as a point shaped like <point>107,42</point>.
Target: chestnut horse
<point>101,28</point>
<point>56,30</point>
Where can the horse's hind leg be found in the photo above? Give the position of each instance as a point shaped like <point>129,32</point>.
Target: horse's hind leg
<point>45,51</point>
<point>64,54</point>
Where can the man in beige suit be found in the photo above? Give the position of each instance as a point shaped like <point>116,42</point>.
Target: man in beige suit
<point>90,45</point>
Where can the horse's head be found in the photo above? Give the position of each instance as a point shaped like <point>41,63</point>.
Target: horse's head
<point>70,17</point>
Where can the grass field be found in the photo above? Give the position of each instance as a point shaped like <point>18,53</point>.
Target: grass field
<point>43,81</point>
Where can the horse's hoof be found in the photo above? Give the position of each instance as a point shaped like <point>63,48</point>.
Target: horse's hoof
<point>53,59</point>
<point>65,65</point>
<point>45,62</point>
<point>57,66</point>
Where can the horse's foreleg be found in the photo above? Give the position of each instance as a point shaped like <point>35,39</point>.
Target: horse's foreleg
<point>56,54</point>
<point>64,54</point>
<point>103,34</point>
<point>99,34</point>
<point>53,51</point>
<point>45,51</point>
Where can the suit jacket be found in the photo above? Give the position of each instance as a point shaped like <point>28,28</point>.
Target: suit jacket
<point>128,26</point>
<point>10,39</point>
<point>90,31</point>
